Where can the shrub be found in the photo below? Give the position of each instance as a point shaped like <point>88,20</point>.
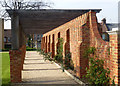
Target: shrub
<point>30,49</point>
<point>96,74</point>
<point>5,49</point>
<point>68,61</point>
<point>59,56</point>
<point>47,56</point>
<point>88,51</point>
<point>38,50</point>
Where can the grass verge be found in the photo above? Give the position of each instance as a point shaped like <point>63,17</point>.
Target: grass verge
<point>5,69</point>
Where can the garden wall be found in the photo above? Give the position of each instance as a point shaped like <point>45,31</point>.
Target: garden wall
<point>78,35</point>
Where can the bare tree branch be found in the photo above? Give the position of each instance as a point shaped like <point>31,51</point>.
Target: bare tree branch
<point>22,4</point>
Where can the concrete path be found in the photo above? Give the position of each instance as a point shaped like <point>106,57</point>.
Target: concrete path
<point>40,72</point>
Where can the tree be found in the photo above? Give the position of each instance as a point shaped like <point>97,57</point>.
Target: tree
<point>22,4</point>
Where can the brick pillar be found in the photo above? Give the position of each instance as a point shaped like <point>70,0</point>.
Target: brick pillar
<point>15,65</point>
<point>23,50</point>
<point>43,43</point>
<point>46,44</point>
<point>114,56</point>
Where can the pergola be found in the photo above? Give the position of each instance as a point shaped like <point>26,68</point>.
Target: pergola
<point>40,21</point>
<point>34,22</point>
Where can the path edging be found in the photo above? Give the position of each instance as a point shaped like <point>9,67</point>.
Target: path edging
<point>73,77</point>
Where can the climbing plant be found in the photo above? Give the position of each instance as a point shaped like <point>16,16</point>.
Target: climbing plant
<point>68,61</point>
<point>96,73</point>
<point>46,56</point>
<point>88,51</point>
<point>59,56</point>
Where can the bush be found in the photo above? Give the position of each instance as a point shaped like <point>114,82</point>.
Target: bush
<point>30,49</point>
<point>6,49</point>
<point>68,61</point>
<point>96,74</point>
<point>38,50</point>
<point>47,56</point>
<point>59,56</point>
<point>89,51</point>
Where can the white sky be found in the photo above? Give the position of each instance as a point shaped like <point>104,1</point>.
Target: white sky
<point>109,8</point>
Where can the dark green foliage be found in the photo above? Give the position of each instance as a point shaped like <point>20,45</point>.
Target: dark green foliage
<point>29,41</point>
<point>59,56</point>
<point>5,49</point>
<point>68,61</point>
<point>47,56</point>
<point>7,46</point>
<point>30,49</point>
<point>71,65</point>
<point>42,52</point>
<point>96,74</point>
<point>89,51</point>
<point>38,50</point>
<point>108,51</point>
<point>113,82</point>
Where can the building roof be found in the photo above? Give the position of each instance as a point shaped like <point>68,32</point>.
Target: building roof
<point>44,20</point>
<point>111,25</point>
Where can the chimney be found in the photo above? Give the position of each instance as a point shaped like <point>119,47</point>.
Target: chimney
<point>104,21</point>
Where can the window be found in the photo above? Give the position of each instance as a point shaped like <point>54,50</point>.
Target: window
<point>5,39</point>
<point>103,36</point>
<point>8,39</point>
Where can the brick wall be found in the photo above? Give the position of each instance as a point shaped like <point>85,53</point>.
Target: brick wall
<point>102,47</point>
<point>83,33</point>
<point>115,55</point>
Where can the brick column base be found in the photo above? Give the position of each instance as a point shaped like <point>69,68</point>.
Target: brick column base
<point>15,65</point>
<point>23,50</point>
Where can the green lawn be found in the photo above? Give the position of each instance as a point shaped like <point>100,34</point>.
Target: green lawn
<point>5,69</point>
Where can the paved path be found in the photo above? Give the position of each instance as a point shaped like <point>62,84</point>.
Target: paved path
<point>37,71</point>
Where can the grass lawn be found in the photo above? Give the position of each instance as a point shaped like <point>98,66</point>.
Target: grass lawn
<point>5,69</point>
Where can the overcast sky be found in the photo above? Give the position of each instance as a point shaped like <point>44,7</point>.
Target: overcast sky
<point>109,8</point>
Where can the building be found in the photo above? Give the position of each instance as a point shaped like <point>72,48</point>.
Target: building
<point>37,40</point>
<point>106,27</point>
<point>7,38</point>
